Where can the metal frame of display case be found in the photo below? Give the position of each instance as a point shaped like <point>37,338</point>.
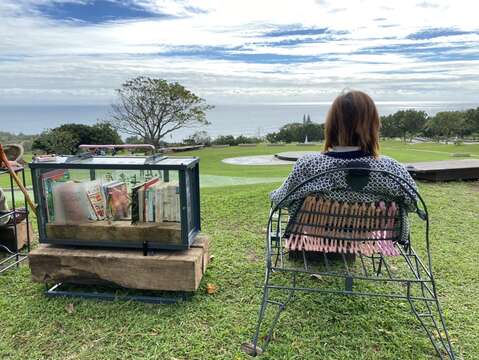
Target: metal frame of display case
<point>149,297</point>
<point>188,170</point>
<point>15,256</point>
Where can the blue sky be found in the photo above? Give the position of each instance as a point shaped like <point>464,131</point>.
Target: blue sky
<point>249,51</point>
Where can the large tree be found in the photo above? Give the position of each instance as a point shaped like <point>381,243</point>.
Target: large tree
<point>390,127</point>
<point>410,122</point>
<point>446,124</point>
<point>297,132</point>
<point>57,141</point>
<point>471,122</point>
<point>66,138</point>
<point>152,108</point>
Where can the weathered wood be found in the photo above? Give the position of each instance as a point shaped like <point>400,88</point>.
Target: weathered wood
<point>445,170</point>
<point>160,270</point>
<point>7,236</point>
<point>119,231</point>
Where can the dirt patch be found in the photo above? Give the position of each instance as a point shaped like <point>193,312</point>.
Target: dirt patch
<point>252,256</point>
<point>475,186</point>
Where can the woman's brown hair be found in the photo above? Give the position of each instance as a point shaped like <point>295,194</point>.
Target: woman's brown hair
<point>353,120</point>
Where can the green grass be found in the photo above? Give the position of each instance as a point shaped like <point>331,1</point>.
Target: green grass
<point>211,157</point>
<point>214,326</point>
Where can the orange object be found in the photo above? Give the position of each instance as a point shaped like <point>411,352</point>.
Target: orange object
<point>8,166</point>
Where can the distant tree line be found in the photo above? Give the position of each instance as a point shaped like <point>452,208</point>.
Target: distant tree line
<point>294,132</point>
<point>65,139</point>
<point>202,138</point>
<point>404,124</point>
<point>298,132</point>
<point>444,125</point>
<point>23,139</point>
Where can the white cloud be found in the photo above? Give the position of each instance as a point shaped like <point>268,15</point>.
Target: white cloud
<point>47,60</point>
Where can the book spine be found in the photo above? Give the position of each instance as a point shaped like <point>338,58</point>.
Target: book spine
<point>141,201</point>
<point>162,205</point>
<point>150,205</point>
<point>178,205</point>
<point>135,215</point>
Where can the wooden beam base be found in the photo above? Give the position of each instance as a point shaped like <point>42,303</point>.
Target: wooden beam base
<point>160,270</point>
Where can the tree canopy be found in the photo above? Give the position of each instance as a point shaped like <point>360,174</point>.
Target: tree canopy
<point>152,108</point>
<point>403,123</point>
<point>446,124</point>
<point>65,139</point>
<point>443,125</point>
<point>298,132</point>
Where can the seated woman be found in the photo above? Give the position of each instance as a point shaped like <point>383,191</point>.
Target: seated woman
<point>351,140</point>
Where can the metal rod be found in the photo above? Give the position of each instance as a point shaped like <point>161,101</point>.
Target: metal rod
<point>358,277</point>
<point>27,218</point>
<point>342,292</point>
<point>19,259</point>
<point>363,265</point>
<point>55,292</point>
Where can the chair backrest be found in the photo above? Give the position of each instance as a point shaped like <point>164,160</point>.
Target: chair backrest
<point>326,225</point>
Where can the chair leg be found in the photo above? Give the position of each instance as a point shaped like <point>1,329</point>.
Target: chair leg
<point>428,311</point>
<point>253,348</point>
<point>425,306</point>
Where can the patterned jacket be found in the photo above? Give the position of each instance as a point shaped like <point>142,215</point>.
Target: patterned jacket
<point>378,187</point>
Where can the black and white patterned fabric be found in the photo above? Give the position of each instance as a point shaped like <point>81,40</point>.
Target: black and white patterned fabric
<point>335,185</point>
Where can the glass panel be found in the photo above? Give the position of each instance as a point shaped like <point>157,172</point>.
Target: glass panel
<point>117,160</point>
<point>123,160</point>
<point>176,161</point>
<point>111,205</point>
<point>189,200</point>
<point>105,160</point>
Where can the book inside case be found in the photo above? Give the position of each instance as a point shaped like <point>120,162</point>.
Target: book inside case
<point>100,205</point>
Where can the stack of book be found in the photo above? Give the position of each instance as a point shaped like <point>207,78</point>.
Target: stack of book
<point>69,201</point>
<point>72,202</point>
<point>155,201</point>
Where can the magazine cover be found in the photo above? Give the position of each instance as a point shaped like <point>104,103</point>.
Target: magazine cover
<point>95,196</point>
<point>117,201</point>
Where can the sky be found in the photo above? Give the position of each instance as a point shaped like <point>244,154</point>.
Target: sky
<point>77,52</point>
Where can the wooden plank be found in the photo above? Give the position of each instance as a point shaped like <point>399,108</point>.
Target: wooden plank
<point>119,231</point>
<point>160,270</point>
<point>445,170</point>
<point>445,165</point>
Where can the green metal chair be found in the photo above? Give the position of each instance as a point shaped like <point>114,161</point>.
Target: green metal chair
<point>351,243</point>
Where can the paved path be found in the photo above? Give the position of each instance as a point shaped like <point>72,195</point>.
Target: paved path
<point>207,181</point>
<point>256,160</point>
<point>283,158</point>
<point>293,155</point>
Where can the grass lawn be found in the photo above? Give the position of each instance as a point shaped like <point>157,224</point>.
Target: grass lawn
<point>211,157</point>
<point>214,326</point>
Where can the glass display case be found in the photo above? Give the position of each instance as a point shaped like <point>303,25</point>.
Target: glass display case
<point>112,201</point>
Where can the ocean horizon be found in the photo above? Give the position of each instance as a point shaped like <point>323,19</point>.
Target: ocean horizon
<point>225,119</point>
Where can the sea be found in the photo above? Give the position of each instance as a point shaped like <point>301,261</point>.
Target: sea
<point>225,119</point>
